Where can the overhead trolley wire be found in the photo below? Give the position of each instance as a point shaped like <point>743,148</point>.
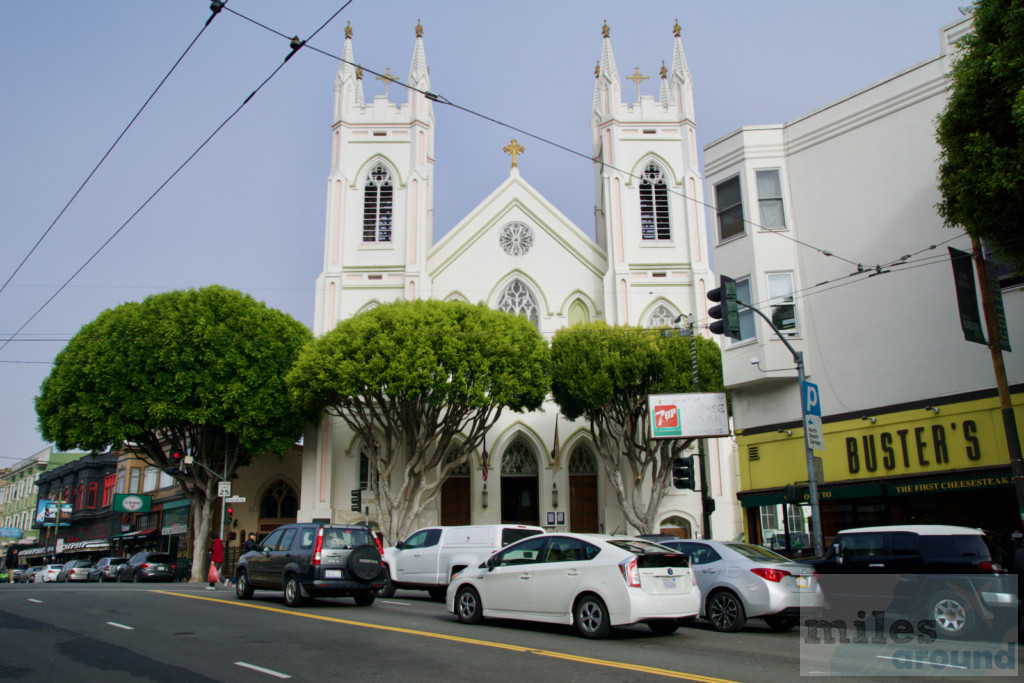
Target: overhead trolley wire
<point>215,7</point>
<point>296,45</point>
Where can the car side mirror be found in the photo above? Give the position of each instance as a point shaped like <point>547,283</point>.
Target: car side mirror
<point>491,563</point>
<point>400,545</point>
<point>265,550</point>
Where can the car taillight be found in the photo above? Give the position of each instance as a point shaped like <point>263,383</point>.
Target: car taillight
<point>319,546</point>
<point>773,575</point>
<point>990,567</point>
<point>145,565</point>
<point>380,546</point>
<point>630,572</point>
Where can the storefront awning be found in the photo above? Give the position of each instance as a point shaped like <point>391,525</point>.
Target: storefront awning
<point>85,546</point>
<point>34,552</point>
<point>825,493</point>
<point>132,534</point>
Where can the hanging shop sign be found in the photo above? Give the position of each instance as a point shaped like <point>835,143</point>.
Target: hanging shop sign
<point>131,503</point>
<point>677,416</point>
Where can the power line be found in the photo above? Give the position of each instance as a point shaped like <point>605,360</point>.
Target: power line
<point>215,7</point>
<point>296,45</point>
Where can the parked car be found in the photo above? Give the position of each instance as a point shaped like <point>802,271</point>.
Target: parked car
<point>429,558</point>
<point>948,575</point>
<point>593,582</point>
<point>50,572</point>
<point>182,568</point>
<point>146,566</point>
<point>105,569</point>
<point>740,581</point>
<point>15,574</point>
<point>29,575</point>
<point>74,570</point>
<point>314,560</point>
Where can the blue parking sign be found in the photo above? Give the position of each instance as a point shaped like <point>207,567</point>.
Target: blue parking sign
<point>811,403</point>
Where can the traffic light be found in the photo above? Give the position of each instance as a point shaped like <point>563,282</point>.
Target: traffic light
<point>174,464</point>
<point>357,500</point>
<point>229,516</point>
<point>727,312</point>
<point>682,473</point>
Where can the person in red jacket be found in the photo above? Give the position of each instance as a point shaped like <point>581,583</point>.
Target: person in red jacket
<point>217,557</point>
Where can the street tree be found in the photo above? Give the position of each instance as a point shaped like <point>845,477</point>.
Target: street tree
<point>197,372</point>
<point>420,383</point>
<point>604,374</point>
<point>981,131</point>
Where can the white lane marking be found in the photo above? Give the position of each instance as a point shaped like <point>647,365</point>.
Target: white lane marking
<point>34,600</point>
<point>126,628</point>
<point>394,602</point>
<point>262,670</point>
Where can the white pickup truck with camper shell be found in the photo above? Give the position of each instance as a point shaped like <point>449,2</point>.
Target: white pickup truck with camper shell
<point>429,558</point>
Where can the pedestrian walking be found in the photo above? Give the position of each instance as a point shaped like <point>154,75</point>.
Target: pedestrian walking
<point>216,561</point>
<point>250,543</point>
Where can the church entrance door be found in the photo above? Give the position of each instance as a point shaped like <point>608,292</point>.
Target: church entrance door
<point>519,489</point>
<point>583,514</point>
<point>455,501</point>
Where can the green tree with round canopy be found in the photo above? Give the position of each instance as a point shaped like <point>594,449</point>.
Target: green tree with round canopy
<point>605,374</point>
<point>981,131</point>
<point>421,382</point>
<point>197,372</point>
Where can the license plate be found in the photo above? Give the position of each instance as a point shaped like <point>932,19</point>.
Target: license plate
<point>669,583</point>
<point>802,582</point>
<point>332,574</point>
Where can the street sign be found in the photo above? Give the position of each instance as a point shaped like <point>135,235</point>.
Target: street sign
<point>224,489</point>
<point>235,499</point>
<point>674,416</point>
<point>812,417</point>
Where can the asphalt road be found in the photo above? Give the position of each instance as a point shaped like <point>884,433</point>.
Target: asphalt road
<point>182,632</point>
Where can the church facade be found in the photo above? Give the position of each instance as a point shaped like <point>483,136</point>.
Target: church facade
<point>517,252</point>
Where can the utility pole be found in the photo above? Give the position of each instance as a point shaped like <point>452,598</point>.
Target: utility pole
<point>707,504</point>
<point>1005,401</point>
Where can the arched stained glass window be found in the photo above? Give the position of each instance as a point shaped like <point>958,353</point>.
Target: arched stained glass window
<point>279,501</point>
<point>662,316</point>
<point>518,300</point>
<point>654,223</point>
<point>519,459</point>
<point>378,198</point>
<point>582,461</point>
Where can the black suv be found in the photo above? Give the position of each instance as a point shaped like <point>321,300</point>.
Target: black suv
<point>946,574</point>
<point>314,560</point>
<point>146,566</point>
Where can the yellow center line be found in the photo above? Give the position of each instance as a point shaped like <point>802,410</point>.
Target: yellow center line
<point>469,641</point>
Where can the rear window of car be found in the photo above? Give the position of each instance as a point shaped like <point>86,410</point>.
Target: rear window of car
<point>972,546</point>
<point>160,557</point>
<point>345,537</point>
<point>513,535</point>
<point>756,552</point>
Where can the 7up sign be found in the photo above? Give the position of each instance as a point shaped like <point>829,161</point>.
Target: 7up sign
<point>675,416</point>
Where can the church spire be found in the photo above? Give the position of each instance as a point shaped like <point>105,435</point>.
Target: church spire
<point>664,98</point>
<point>607,89</point>
<point>680,71</point>
<point>419,74</point>
<point>345,85</point>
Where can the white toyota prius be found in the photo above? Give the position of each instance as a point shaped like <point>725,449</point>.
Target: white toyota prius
<point>591,581</point>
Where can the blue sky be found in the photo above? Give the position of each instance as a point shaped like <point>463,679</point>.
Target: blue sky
<point>248,211</point>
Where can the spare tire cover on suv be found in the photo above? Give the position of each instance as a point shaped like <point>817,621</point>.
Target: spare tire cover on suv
<point>364,562</point>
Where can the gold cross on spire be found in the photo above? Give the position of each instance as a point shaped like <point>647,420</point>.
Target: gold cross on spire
<point>636,78</point>
<point>388,77</point>
<point>348,30</point>
<point>515,149</point>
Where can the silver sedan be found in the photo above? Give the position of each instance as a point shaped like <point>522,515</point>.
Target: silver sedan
<point>740,581</point>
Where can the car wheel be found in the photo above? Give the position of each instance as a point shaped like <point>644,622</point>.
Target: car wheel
<point>467,606</point>
<point>591,617</point>
<point>953,615</point>
<point>135,577</point>
<point>663,627</point>
<point>293,591</point>
<point>389,587</point>
<point>438,594</point>
<point>725,612</point>
<point>780,623</point>
<point>365,598</point>
<point>243,589</point>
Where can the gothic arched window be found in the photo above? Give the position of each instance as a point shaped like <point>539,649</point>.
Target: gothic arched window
<point>654,223</point>
<point>518,300</point>
<point>378,197</point>
<point>519,460</point>
<point>662,316</point>
<point>279,501</point>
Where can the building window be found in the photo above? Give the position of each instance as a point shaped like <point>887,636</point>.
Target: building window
<point>516,239</point>
<point>133,481</point>
<point>120,480</point>
<point>654,224</point>
<point>378,197</point>
<point>367,472</point>
<point>80,497</point>
<point>769,518</point>
<point>743,294</point>
<point>662,316</point>
<point>93,488</point>
<point>578,313</point>
<point>781,301</point>
<point>729,201</point>
<point>518,300</point>
<point>769,199</point>
<point>149,480</point>
<point>109,482</point>
<point>166,480</point>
